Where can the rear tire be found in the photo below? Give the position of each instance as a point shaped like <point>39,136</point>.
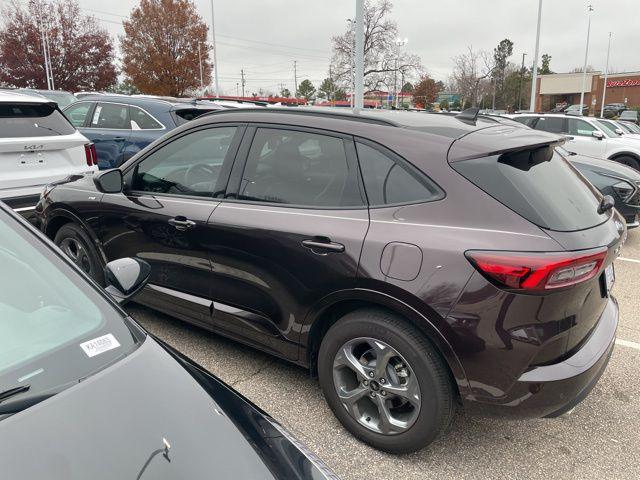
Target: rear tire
<point>76,244</point>
<point>629,161</point>
<point>404,398</point>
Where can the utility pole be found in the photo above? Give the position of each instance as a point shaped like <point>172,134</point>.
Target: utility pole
<point>534,77</point>
<point>586,54</point>
<point>44,52</point>
<point>520,86</point>
<point>359,77</point>
<point>200,63</point>
<point>237,91</point>
<point>46,36</point>
<point>215,52</point>
<point>330,94</point>
<point>243,82</point>
<point>295,80</point>
<point>606,75</point>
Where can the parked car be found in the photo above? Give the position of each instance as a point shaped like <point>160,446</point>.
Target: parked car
<point>575,109</point>
<point>629,116</point>
<point>62,98</point>
<point>622,183</point>
<point>629,126</point>
<point>121,125</point>
<point>37,146</point>
<point>86,387</point>
<point>613,109</point>
<point>413,261</point>
<point>587,136</point>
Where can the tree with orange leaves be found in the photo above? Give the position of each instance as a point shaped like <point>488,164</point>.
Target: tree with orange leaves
<point>164,46</point>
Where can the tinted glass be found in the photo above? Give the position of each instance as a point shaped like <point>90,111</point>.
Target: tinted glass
<point>608,127</point>
<point>299,168</point>
<point>19,120</point>
<point>528,121</point>
<point>48,311</point>
<point>551,124</point>
<point>189,165</point>
<point>539,185</point>
<point>111,115</point>
<point>388,182</point>
<point>185,115</point>
<point>580,127</point>
<point>141,120</point>
<point>77,114</point>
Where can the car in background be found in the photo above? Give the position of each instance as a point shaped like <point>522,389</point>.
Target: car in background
<point>630,126</point>
<point>414,261</point>
<point>575,109</point>
<point>38,146</point>
<point>630,116</point>
<point>587,136</point>
<point>611,178</point>
<point>121,125</point>
<point>62,98</point>
<point>613,109</point>
<point>97,397</point>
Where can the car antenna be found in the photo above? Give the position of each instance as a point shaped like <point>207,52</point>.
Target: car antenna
<point>470,114</point>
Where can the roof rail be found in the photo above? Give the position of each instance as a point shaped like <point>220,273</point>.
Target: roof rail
<point>307,112</point>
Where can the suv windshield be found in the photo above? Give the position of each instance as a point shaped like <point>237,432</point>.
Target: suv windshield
<point>55,328</point>
<point>608,128</point>
<point>539,185</point>
<point>19,120</point>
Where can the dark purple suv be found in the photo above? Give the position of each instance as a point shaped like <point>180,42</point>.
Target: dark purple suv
<point>415,262</point>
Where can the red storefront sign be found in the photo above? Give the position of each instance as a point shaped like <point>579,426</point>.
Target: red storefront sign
<point>623,83</point>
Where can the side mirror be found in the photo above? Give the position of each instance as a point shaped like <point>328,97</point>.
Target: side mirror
<point>125,278</point>
<point>109,181</point>
<point>619,131</point>
<point>597,134</point>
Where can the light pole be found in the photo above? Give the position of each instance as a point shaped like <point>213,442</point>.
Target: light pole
<point>520,86</point>
<point>215,52</point>
<point>586,54</point>
<point>237,90</point>
<point>400,42</point>
<point>200,63</point>
<point>606,74</point>
<point>358,103</point>
<point>352,59</point>
<point>534,77</point>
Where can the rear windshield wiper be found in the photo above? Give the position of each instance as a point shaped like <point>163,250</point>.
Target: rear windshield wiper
<point>13,391</point>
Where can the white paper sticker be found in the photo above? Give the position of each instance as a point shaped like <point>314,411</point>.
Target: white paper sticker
<point>100,345</point>
<point>96,115</point>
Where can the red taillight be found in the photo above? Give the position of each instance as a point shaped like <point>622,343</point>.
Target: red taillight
<point>538,271</point>
<point>90,154</point>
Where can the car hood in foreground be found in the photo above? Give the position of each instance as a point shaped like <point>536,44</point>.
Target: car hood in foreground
<point>146,417</point>
<point>608,167</point>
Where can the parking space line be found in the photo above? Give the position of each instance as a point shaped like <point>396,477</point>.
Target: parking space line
<point>627,343</point>
<point>633,260</point>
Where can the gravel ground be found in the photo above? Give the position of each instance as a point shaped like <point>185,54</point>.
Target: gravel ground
<point>598,440</point>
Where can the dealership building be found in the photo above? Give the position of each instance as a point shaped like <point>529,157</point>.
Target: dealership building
<point>558,88</point>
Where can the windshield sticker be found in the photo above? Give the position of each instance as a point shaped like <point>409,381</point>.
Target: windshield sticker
<point>96,115</point>
<point>99,345</point>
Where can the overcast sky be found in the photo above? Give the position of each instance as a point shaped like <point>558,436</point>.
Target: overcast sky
<point>265,36</point>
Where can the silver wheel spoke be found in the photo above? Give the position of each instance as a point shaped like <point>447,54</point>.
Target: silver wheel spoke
<point>349,398</point>
<point>386,423</point>
<point>384,353</point>
<point>409,392</point>
<point>345,358</point>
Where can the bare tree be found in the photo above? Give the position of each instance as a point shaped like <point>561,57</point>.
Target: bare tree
<point>382,57</point>
<point>470,73</point>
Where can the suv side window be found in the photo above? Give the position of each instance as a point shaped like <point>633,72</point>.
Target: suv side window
<point>141,120</point>
<point>299,168</point>
<point>528,121</point>
<point>389,181</point>
<point>551,124</point>
<point>580,127</point>
<point>111,115</point>
<point>77,114</point>
<point>189,165</point>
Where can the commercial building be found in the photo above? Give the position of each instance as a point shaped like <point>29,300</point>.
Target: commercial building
<point>564,88</point>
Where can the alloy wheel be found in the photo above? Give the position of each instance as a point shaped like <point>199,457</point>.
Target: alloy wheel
<point>77,253</point>
<point>376,386</point>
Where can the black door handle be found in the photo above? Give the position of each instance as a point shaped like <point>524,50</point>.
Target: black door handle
<point>323,246</point>
<point>181,223</point>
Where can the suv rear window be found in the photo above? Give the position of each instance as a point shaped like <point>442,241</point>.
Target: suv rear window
<point>18,120</point>
<point>539,185</point>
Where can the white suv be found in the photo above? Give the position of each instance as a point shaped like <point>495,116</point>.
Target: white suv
<point>38,145</point>
<point>587,136</point>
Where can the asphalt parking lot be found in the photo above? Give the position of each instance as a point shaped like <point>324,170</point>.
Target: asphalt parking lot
<point>598,440</point>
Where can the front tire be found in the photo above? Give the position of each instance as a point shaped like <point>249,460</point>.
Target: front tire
<point>385,382</point>
<point>629,161</point>
<point>76,244</point>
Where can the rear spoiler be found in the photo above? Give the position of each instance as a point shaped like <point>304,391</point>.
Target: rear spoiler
<point>499,139</point>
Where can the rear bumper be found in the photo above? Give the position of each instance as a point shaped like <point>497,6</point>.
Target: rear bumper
<point>551,390</point>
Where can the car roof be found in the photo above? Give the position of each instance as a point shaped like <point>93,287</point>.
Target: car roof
<point>15,97</point>
<point>144,100</point>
